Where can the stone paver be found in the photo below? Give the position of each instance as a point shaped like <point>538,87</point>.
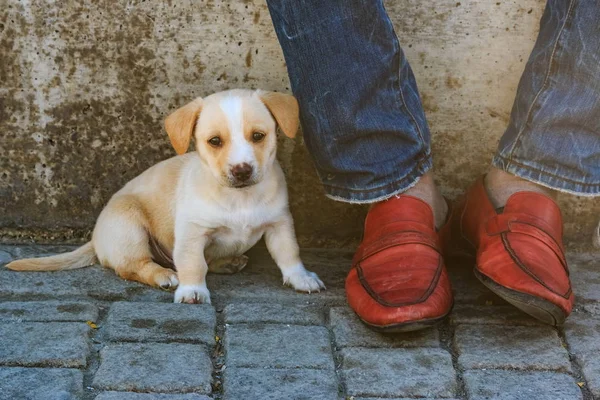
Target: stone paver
<point>466,287</point>
<point>156,367</point>
<point>149,396</point>
<point>5,256</point>
<point>10,253</point>
<point>40,383</point>
<point>53,344</point>
<point>161,322</point>
<point>592,308</point>
<point>398,372</point>
<point>582,332</point>
<point>45,311</point>
<point>276,384</point>
<point>278,346</point>
<point>495,315</point>
<point>274,313</point>
<point>520,385</point>
<point>333,258</point>
<point>515,347</point>
<point>95,281</point>
<point>585,276</point>
<point>349,331</point>
<point>261,281</point>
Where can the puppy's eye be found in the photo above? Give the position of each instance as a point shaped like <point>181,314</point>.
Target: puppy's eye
<point>258,136</point>
<point>215,141</point>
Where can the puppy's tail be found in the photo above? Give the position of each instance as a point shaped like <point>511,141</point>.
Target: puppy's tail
<point>82,257</point>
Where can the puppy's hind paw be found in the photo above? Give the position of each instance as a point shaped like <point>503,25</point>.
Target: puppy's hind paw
<point>167,280</point>
<point>192,294</point>
<point>229,265</point>
<point>304,281</point>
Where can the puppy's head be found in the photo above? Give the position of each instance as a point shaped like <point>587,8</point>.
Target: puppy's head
<point>235,132</point>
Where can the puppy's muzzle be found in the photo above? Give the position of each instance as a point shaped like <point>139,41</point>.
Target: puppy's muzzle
<point>241,174</point>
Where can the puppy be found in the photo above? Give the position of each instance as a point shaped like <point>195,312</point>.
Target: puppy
<point>201,210</point>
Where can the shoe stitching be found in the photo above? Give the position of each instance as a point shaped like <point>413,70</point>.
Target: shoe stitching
<point>378,299</point>
<point>561,256</point>
<point>520,264</point>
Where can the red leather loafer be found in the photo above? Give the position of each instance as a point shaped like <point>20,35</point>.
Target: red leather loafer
<point>398,281</point>
<point>520,254</point>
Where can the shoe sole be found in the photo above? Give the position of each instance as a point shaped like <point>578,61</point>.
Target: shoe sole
<point>538,308</point>
<point>407,326</point>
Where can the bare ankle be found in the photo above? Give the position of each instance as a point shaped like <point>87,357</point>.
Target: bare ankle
<point>501,185</point>
<point>426,190</point>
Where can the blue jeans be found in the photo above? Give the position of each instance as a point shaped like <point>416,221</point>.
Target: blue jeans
<point>364,123</point>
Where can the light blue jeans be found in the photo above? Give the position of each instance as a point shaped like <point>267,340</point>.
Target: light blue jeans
<point>364,123</point>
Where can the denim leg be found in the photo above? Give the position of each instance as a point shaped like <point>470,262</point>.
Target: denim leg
<point>360,109</point>
<point>553,137</point>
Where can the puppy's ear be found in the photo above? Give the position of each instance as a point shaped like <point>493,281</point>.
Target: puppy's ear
<point>284,109</point>
<point>180,125</point>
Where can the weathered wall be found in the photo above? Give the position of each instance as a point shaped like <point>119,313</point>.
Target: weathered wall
<point>84,87</point>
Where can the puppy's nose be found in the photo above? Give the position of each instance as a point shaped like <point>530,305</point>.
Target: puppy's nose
<point>242,172</point>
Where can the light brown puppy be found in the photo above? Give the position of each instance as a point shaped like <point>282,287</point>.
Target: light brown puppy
<point>202,209</point>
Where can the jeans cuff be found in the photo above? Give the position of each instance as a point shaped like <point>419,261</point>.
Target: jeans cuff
<point>539,176</point>
<point>381,193</point>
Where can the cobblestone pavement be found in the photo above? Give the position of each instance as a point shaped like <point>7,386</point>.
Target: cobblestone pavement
<point>87,334</point>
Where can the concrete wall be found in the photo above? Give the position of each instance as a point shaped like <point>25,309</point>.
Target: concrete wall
<point>85,86</point>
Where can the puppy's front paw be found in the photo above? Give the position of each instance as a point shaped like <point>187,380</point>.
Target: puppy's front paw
<point>302,280</point>
<point>192,294</point>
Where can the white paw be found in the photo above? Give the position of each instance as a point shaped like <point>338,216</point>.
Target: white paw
<point>193,294</point>
<point>302,280</point>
